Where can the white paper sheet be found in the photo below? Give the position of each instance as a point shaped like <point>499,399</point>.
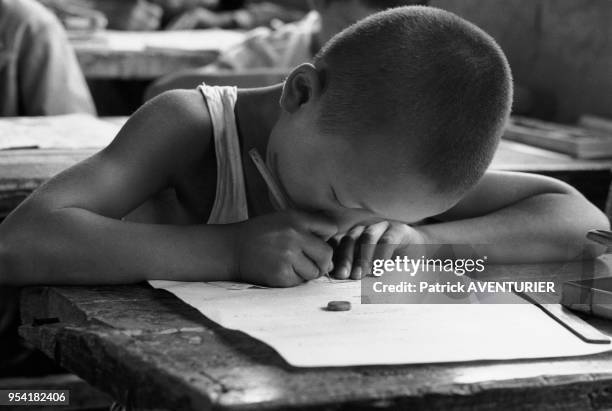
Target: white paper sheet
<point>66,131</point>
<point>293,321</point>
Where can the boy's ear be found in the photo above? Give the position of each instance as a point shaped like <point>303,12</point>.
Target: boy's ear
<point>302,86</point>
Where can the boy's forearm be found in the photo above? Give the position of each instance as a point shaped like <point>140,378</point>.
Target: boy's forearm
<point>75,246</point>
<point>547,227</point>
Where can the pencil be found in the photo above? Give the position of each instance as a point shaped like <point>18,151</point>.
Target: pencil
<point>600,236</point>
<point>279,196</point>
<point>277,193</point>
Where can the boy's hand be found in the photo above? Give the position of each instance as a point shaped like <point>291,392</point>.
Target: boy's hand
<point>382,240</point>
<point>284,249</point>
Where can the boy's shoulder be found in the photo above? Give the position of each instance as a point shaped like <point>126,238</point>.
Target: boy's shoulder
<point>171,130</point>
<point>184,110</point>
<point>191,102</point>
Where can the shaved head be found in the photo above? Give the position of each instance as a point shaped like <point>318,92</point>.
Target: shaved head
<point>416,90</point>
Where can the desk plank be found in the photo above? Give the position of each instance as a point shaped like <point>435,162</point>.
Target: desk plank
<point>149,349</point>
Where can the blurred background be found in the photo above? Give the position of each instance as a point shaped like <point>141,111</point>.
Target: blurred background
<point>560,50</point>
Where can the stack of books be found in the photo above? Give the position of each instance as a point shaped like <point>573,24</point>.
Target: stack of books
<point>590,139</point>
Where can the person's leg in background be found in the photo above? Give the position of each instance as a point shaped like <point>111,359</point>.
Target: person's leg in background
<point>39,72</point>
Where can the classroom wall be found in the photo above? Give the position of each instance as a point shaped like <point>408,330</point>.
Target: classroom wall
<point>560,48</point>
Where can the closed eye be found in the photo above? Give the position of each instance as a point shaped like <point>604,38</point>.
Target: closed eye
<point>362,207</point>
<point>335,197</point>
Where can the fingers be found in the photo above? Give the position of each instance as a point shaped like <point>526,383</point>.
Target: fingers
<point>361,245</point>
<point>388,242</point>
<point>305,268</point>
<point>368,243</point>
<point>286,278</point>
<point>345,253</point>
<point>319,252</point>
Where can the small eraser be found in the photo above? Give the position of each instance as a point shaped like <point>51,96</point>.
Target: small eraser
<point>338,306</point>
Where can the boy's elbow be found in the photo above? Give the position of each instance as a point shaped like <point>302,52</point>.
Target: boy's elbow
<point>595,218</point>
<point>582,210</point>
<point>600,222</point>
<point>590,218</point>
<point>593,251</point>
<point>603,221</point>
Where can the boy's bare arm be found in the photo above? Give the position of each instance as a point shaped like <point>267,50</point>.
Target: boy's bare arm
<point>524,217</point>
<point>511,217</point>
<point>69,230</point>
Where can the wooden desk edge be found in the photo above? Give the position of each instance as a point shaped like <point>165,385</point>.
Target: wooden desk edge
<point>131,371</point>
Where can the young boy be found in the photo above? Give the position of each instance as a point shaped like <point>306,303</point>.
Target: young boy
<point>393,125</point>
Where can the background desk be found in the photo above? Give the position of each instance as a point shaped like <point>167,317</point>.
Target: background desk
<point>148,55</point>
<point>150,350</point>
<point>120,65</point>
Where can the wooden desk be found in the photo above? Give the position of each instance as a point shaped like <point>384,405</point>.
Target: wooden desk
<point>150,350</point>
<point>149,55</point>
<point>21,171</point>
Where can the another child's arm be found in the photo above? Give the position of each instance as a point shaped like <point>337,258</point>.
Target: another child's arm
<point>517,217</point>
<point>69,231</point>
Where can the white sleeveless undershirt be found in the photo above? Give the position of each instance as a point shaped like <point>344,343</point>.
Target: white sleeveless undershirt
<point>230,204</point>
